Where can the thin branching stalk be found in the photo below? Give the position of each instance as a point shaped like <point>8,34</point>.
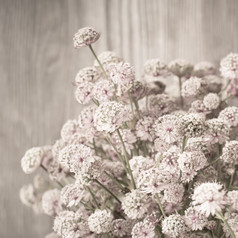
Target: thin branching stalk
<point>127,159</point>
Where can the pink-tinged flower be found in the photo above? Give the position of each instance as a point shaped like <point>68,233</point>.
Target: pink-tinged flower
<point>192,125</point>
<point>71,195</point>
<point>85,36</point>
<point>217,131</point>
<point>209,198</point>
<point>174,193</point>
<point>51,203</point>
<point>31,161</point>
<point>84,92</point>
<point>103,90</point>
<point>230,152</point>
<point>198,106</point>
<point>121,227</point>
<point>230,115</point>
<point>192,161</point>
<point>100,221</point>
<point>135,204</point>
<point>155,180</point>
<point>180,67</point>
<point>155,67</point>
<point>71,224</point>
<point>211,101</point>
<point>174,226</point>
<point>167,128</point>
<point>121,73</point>
<point>160,145</point>
<point>87,74</point>
<point>192,87</point>
<point>139,163</point>
<point>109,116</point>
<point>145,129</point>
<point>143,229</point>
<point>160,104</point>
<point>204,68</point>
<point>69,128</point>
<point>229,66</point>
<point>72,152</point>
<point>232,199</point>
<point>194,219</point>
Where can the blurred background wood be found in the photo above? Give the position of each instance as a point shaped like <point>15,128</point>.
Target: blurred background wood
<point>38,65</point>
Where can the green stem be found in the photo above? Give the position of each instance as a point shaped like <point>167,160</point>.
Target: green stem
<point>107,190</point>
<point>115,180</point>
<point>103,70</point>
<point>219,215</point>
<point>137,108</point>
<point>184,143</point>
<point>117,152</point>
<point>160,205</point>
<point>45,169</point>
<point>127,159</point>
<point>93,197</point>
<point>133,112</point>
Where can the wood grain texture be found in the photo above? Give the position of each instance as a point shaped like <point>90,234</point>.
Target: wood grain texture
<point>38,64</point>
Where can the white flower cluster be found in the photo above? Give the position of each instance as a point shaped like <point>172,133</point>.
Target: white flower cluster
<point>138,162</point>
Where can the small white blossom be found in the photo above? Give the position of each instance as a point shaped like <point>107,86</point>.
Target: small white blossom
<point>230,115</point>
<point>109,116</point>
<point>209,198</point>
<point>211,101</point>
<point>31,161</point>
<point>100,221</point>
<point>229,66</point>
<point>174,226</point>
<point>51,203</point>
<point>85,36</point>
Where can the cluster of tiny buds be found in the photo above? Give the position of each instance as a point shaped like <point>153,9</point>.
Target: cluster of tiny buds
<point>140,162</point>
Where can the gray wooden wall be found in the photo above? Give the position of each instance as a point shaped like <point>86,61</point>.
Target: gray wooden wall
<point>38,64</point>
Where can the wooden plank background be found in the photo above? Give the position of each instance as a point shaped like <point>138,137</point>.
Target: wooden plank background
<point>38,64</point>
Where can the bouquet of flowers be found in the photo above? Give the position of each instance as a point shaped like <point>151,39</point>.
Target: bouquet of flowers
<point>138,162</point>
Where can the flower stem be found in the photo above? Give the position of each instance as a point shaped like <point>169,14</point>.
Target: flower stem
<point>117,152</point>
<point>93,197</point>
<point>160,205</point>
<point>100,64</point>
<point>107,190</point>
<point>127,159</point>
<point>184,143</point>
<point>220,216</point>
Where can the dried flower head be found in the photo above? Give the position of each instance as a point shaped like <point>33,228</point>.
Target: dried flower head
<point>180,67</point>
<point>85,36</point>
<point>229,66</point>
<point>192,87</point>
<point>174,226</point>
<point>31,161</point>
<point>209,198</point>
<point>87,74</point>
<point>211,101</point>
<point>230,115</point>
<point>230,152</point>
<point>155,67</point>
<point>51,203</point>
<point>100,221</point>
<point>109,116</point>
<point>106,58</point>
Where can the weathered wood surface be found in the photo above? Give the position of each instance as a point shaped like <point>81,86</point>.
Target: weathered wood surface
<point>38,64</point>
